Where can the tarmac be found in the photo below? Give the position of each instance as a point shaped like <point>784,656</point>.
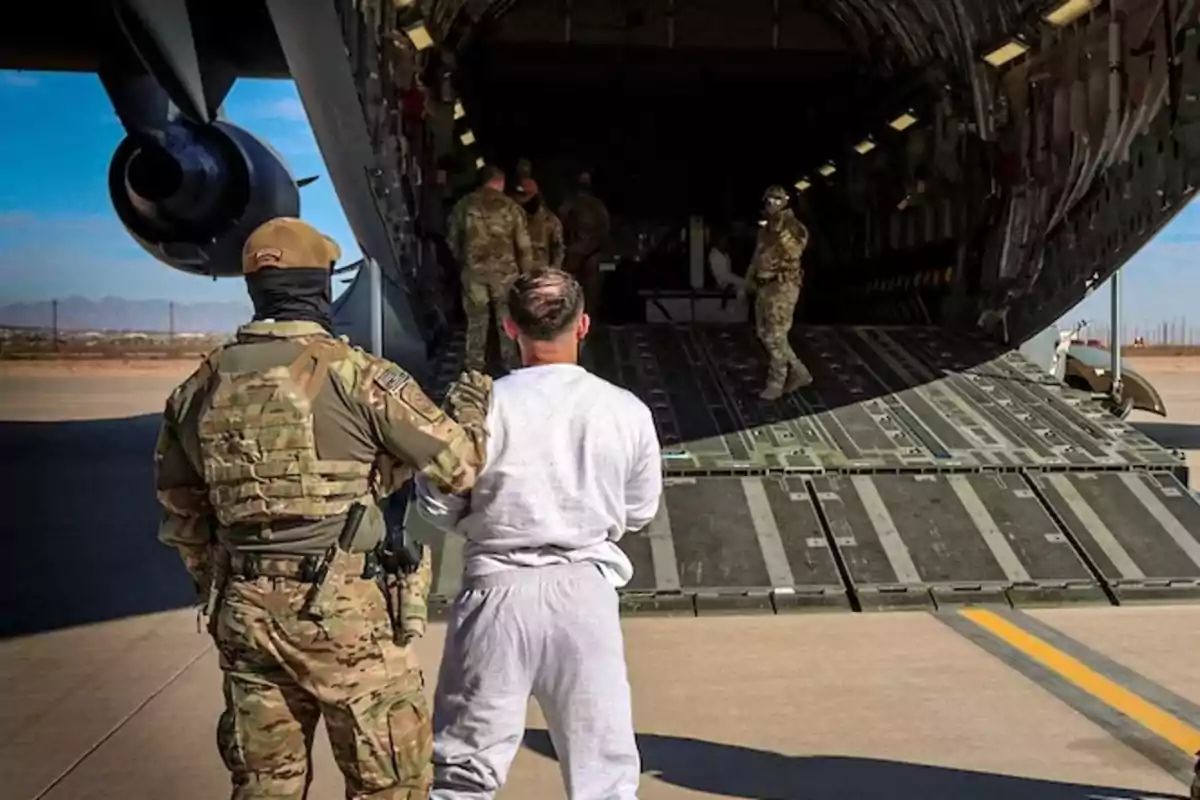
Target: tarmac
<point>113,693</point>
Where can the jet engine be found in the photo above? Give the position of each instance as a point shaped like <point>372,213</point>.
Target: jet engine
<point>191,194</point>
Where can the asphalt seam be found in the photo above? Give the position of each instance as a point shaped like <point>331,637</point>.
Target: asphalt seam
<point>1126,730</point>
<point>86,754</point>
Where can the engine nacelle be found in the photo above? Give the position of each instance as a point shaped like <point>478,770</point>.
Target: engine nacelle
<point>192,194</point>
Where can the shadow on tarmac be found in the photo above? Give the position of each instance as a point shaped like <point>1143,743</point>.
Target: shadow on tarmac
<point>1182,435</point>
<point>79,525</point>
<point>742,772</point>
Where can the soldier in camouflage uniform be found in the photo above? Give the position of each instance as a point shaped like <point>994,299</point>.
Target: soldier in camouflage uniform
<point>776,276</point>
<point>490,239</point>
<point>545,230</point>
<point>586,227</point>
<point>262,455</point>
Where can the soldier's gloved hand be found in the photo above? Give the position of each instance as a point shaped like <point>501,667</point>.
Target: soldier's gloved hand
<point>469,397</point>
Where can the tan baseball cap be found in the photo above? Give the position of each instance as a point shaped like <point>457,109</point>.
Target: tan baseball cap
<point>287,242</point>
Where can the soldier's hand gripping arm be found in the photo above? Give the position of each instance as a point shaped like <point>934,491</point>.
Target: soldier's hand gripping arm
<point>468,400</point>
<point>409,427</point>
<point>187,515</point>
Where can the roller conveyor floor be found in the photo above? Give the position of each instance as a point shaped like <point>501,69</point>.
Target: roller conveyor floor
<point>920,469</point>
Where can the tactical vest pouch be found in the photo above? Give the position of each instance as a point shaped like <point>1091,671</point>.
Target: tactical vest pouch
<point>259,449</point>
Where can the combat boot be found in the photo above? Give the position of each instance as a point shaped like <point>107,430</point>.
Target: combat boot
<point>771,393</point>
<point>798,377</point>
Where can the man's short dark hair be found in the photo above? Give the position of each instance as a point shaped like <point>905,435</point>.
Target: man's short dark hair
<point>492,173</point>
<point>544,304</point>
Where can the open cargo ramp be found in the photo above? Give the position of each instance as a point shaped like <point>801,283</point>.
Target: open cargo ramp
<point>920,469</point>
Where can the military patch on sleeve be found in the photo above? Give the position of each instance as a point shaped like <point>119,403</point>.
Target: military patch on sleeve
<point>418,401</point>
<point>392,380</point>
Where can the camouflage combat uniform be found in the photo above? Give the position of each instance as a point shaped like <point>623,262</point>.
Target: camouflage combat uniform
<point>586,226</point>
<point>545,229</point>
<point>776,276</point>
<point>489,237</point>
<point>546,234</point>
<point>260,454</point>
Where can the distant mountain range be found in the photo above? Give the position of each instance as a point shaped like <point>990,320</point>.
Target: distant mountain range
<point>118,314</point>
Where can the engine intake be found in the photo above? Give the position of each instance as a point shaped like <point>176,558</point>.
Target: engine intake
<point>191,194</point>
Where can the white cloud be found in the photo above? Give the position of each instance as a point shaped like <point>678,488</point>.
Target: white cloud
<point>18,79</point>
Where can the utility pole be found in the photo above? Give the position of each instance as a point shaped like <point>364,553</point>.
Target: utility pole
<point>54,322</point>
<point>171,321</point>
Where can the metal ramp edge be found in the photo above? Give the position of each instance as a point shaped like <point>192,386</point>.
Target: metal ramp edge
<point>780,544</point>
<point>919,472</point>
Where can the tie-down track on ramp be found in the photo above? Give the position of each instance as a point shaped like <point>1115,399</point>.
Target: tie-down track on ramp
<point>921,469</point>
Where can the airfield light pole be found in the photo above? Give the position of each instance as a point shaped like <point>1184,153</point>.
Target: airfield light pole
<point>1115,345</point>
<point>375,285</point>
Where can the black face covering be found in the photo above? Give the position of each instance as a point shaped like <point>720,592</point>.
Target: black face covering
<point>532,205</point>
<point>292,295</point>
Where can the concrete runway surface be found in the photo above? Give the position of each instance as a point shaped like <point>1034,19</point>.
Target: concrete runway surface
<point>110,692</point>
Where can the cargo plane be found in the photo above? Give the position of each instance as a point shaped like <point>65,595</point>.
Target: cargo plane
<point>968,169</point>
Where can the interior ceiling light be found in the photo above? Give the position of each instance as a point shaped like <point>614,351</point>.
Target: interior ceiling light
<point>802,185</point>
<point>1069,11</point>
<point>828,170</point>
<point>419,36</point>
<point>1006,52</point>
<point>459,111</point>
<point>904,121</point>
<point>468,138</point>
<point>864,147</point>
<point>479,162</point>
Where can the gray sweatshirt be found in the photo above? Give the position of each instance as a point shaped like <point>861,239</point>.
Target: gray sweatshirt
<point>573,462</point>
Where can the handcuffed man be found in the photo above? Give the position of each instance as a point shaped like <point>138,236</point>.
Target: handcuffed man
<point>573,463</point>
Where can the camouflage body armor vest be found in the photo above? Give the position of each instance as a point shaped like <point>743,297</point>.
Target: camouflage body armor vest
<point>259,449</point>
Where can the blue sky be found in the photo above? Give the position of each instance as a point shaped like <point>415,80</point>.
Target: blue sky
<point>60,237</point>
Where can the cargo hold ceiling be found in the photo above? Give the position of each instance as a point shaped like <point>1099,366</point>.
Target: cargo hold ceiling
<point>1046,141</point>
<point>892,35</point>
<point>697,105</point>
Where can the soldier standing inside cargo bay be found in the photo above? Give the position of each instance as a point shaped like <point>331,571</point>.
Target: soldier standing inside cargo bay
<point>490,239</point>
<point>270,461</point>
<point>586,227</point>
<point>545,230</point>
<point>776,276</point>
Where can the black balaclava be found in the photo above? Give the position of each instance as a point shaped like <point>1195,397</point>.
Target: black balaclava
<point>292,295</point>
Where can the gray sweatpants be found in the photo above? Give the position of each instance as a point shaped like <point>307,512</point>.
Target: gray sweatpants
<point>555,633</point>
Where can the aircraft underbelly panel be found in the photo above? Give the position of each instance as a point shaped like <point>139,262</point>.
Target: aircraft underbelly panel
<point>921,468</point>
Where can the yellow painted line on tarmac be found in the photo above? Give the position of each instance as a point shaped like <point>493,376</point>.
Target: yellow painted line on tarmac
<point>1146,714</point>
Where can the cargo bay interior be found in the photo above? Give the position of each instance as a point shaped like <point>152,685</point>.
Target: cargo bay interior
<point>926,465</point>
<point>687,111</point>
